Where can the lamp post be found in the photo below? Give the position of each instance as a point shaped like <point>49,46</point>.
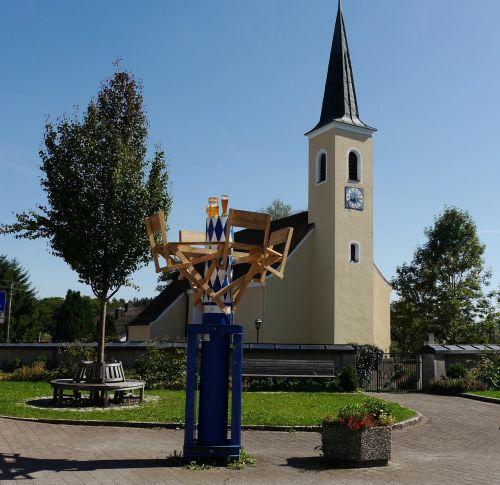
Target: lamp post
<point>258,326</point>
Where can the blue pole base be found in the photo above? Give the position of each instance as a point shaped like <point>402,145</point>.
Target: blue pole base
<point>210,437</point>
<point>214,385</point>
<point>224,451</point>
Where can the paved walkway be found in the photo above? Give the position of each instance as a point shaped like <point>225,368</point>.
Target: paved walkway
<point>458,442</point>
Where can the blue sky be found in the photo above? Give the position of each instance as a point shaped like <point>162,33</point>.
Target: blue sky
<point>230,88</point>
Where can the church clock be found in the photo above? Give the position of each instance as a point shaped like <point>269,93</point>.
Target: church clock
<point>354,198</point>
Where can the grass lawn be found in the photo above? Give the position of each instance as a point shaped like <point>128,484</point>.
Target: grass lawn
<point>487,393</point>
<point>283,408</point>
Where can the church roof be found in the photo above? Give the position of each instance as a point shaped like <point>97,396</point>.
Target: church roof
<point>301,227</point>
<point>339,100</point>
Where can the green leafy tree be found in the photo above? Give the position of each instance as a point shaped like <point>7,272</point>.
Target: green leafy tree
<point>47,313</point>
<point>278,209</point>
<point>99,189</point>
<point>24,324</point>
<point>443,289</point>
<point>74,319</point>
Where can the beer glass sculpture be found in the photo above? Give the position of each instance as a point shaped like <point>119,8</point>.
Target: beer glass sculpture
<point>213,207</point>
<point>224,201</point>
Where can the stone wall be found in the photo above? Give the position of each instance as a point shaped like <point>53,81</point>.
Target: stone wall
<point>436,358</point>
<point>127,353</point>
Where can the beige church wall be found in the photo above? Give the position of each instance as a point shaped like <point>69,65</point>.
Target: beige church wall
<point>353,281</point>
<point>283,305</point>
<point>288,302</point>
<point>381,310</point>
<point>170,325</point>
<point>249,309</point>
<point>321,207</point>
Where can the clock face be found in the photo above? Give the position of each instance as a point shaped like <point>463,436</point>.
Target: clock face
<point>354,198</point>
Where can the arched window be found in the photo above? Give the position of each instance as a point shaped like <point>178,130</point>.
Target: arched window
<point>321,167</point>
<point>354,252</point>
<point>354,168</point>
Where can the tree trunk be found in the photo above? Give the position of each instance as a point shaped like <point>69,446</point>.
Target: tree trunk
<point>101,334</point>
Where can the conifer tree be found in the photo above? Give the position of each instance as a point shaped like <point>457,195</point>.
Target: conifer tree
<point>24,324</point>
<point>74,319</point>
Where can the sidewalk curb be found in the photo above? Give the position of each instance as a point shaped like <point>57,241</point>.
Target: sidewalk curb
<point>475,397</point>
<point>178,426</point>
<point>408,422</point>
<point>97,422</point>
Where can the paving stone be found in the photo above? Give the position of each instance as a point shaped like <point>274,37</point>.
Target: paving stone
<point>458,442</point>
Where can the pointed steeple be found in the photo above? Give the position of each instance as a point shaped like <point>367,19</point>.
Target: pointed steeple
<point>339,100</point>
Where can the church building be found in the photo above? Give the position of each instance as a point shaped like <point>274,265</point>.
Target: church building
<point>332,292</point>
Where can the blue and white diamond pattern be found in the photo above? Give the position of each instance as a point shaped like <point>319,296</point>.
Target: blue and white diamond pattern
<point>216,232</point>
<point>216,229</point>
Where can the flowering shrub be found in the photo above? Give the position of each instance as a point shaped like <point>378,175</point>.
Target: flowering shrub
<point>367,358</point>
<point>371,412</point>
<point>449,386</point>
<point>487,370</point>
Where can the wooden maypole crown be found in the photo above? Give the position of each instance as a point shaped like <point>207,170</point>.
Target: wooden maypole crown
<point>187,255</point>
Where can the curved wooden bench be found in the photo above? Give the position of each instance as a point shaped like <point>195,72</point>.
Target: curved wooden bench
<point>60,385</point>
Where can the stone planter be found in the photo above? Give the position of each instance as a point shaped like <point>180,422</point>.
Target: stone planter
<point>367,447</point>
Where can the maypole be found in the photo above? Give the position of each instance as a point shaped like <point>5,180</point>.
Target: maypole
<point>206,260</point>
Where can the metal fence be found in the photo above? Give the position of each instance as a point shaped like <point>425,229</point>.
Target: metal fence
<point>396,373</point>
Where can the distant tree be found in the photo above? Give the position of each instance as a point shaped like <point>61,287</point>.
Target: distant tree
<point>141,302</point>
<point>74,319</point>
<point>24,324</point>
<point>99,188</point>
<point>47,313</point>
<point>443,289</point>
<point>278,209</point>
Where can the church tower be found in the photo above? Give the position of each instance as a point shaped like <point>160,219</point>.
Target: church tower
<point>341,207</point>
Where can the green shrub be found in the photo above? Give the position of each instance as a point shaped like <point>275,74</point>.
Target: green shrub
<point>487,370</point>
<point>450,386</point>
<point>347,379</point>
<point>456,371</point>
<point>367,357</point>
<point>162,369</point>
<point>35,372</point>
<point>42,358</point>
<point>14,364</point>
<point>69,356</point>
<point>289,384</point>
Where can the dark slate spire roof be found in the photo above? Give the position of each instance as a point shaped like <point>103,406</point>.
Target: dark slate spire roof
<point>339,100</point>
